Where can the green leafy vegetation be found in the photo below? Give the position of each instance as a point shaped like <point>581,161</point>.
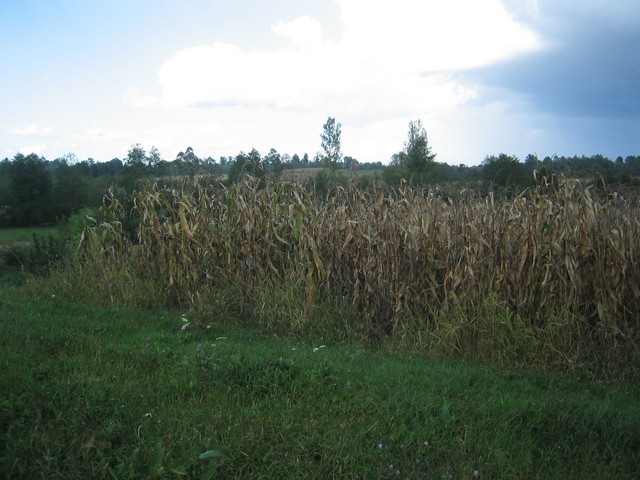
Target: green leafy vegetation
<point>95,392</point>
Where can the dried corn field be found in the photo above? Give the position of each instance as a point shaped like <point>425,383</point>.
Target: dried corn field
<point>549,276</point>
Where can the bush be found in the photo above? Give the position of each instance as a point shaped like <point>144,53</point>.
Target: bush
<point>15,254</point>
<point>76,223</point>
<point>37,256</point>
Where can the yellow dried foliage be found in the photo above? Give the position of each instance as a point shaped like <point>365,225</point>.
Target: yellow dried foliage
<point>542,253</point>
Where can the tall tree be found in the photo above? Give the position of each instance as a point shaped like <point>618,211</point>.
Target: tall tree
<point>70,189</point>
<point>330,137</point>
<point>504,170</point>
<point>136,155</point>
<point>30,186</point>
<point>154,157</point>
<point>189,161</point>
<point>246,164</point>
<point>134,168</point>
<point>419,157</point>
<point>273,162</point>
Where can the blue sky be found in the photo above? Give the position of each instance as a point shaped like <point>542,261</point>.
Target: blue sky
<point>93,77</point>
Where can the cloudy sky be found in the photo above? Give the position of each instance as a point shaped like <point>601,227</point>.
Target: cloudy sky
<point>94,77</point>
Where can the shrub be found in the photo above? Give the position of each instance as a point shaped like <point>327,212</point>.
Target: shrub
<point>37,256</point>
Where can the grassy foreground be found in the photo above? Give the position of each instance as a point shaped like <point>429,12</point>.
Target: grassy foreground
<point>93,392</point>
<point>9,235</point>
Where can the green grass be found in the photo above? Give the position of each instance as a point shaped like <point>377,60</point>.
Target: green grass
<point>9,235</point>
<point>89,392</point>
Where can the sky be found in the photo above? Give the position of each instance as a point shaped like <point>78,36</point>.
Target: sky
<point>94,77</point>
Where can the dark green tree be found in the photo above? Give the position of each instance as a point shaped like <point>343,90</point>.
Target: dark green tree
<point>330,136</point>
<point>136,155</point>
<point>154,157</point>
<point>30,186</point>
<point>70,189</point>
<point>417,158</point>
<point>504,170</point>
<point>246,164</point>
<point>5,194</point>
<point>134,168</point>
<point>273,162</point>
<point>189,162</point>
<point>349,161</point>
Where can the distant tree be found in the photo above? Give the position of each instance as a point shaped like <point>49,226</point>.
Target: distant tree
<point>189,162</point>
<point>112,167</point>
<point>134,168</point>
<point>154,157</point>
<point>30,186</point>
<point>70,189</point>
<point>5,193</point>
<point>330,136</point>
<point>136,155</point>
<point>246,164</point>
<point>531,161</point>
<point>349,161</point>
<point>632,164</point>
<point>418,155</point>
<point>273,162</point>
<point>416,159</point>
<point>504,170</point>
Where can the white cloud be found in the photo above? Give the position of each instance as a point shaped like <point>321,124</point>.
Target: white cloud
<point>432,35</point>
<point>304,32</point>
<point>393,62</point>
<point>388,62</point>
<point>34,130</point>
<point>135,97</point>
<point>95,133</point>
<point>37,149</point>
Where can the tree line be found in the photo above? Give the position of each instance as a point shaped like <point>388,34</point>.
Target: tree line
<point>35,191</point>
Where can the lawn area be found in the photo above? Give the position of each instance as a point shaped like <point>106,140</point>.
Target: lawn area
<point>10,235</point>
<point>91,392</point>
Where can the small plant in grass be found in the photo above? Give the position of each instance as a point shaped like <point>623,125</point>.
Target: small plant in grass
<point>15,254</point>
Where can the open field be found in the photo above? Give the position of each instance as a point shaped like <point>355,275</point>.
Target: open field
<point>10,235</point>
<point>95,392</point>
<point>302,174</point>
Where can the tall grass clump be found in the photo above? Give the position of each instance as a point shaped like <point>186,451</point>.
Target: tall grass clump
<point>547,277</point>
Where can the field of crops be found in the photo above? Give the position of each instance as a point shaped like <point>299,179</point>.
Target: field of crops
<point>547,277</point>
